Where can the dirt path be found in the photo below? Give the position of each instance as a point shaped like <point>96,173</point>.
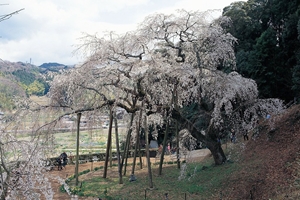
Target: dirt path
<point>63,174</point>
<point>194,156</point>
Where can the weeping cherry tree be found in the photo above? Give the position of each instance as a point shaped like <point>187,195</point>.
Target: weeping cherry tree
<point>169,63</point>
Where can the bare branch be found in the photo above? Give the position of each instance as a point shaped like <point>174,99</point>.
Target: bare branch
<point>7,16</point>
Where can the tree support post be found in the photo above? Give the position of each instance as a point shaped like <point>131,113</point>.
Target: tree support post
<point>147,153</point>
<point>108,142</point>
<point>77,148</point>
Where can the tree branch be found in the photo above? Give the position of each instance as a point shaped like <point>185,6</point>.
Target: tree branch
<point>7,16</point>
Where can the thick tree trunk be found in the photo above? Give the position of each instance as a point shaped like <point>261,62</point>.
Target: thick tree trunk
<point>214,145</point>
<point>217,152</point>
<point>210,138</point>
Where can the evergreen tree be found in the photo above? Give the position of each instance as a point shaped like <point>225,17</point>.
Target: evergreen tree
<point>267,44</point>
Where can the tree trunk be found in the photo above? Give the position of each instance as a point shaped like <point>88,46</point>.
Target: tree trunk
<point>108,143</point>
<point>217,152</point>
<point>210,138</point>
<point>118,149</point>
<point>77,148</point>
<point>214,145</point>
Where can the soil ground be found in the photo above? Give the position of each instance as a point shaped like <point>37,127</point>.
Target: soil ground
<point>270,161</point>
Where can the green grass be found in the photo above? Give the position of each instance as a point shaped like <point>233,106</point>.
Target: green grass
<point>94,142</point>
<point>90,141</point>
<point>201,180</point>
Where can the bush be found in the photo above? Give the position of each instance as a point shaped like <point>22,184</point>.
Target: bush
<point>69,179</point>
<point>84,172</point>
<point>62,189</point>
<point>96,168</point>
<point>75,190</point>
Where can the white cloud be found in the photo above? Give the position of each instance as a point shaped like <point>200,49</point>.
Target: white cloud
<point>47,29</point>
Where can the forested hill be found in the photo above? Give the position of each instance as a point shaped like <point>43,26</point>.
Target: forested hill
<point>268,45</point>
<point>52,66</point>
<point>24,79</point>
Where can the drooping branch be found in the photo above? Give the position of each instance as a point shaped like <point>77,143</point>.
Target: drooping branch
<point>189,125</point>
<point>7,16</point>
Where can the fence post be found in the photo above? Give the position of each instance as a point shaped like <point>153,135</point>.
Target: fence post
<point>145,194</point>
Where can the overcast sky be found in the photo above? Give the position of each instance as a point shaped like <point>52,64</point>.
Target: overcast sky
<point>47,30</point>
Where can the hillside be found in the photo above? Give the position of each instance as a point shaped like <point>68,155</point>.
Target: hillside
<point>53,66</point>
<point>24,79</point>
<point>270,162</point>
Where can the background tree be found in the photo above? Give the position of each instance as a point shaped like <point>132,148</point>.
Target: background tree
<point>267,44</point>
<point>296,68</point>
